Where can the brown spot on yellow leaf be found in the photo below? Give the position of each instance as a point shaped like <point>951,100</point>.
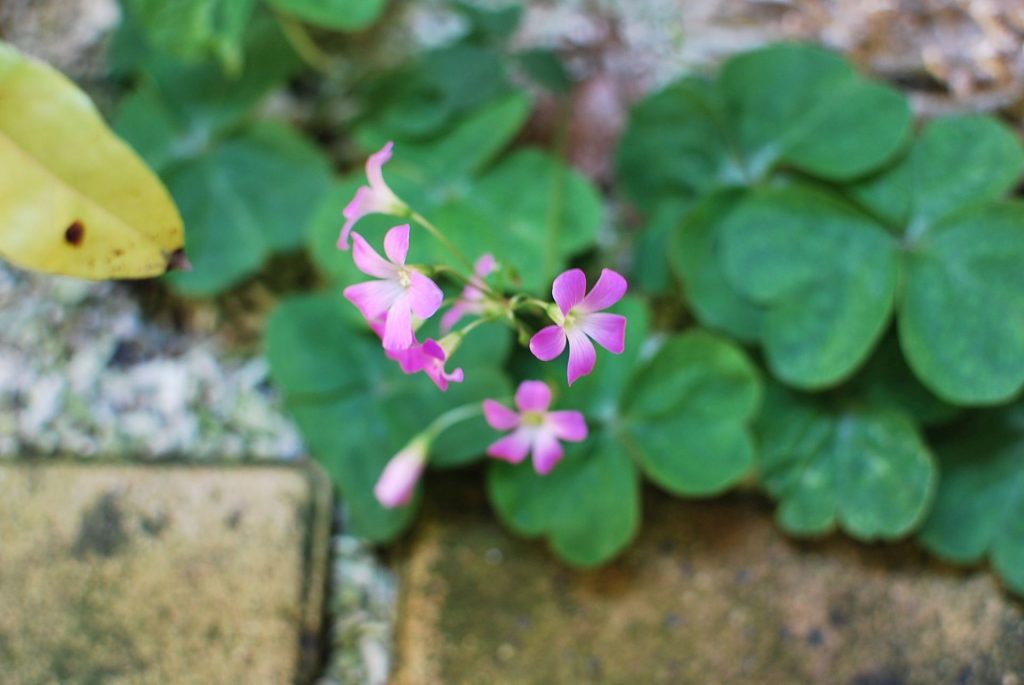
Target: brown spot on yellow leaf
<point>75,233</point>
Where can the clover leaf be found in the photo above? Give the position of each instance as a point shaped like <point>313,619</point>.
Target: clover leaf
<point>825,275</point>
<point>489,25</point>
<point>652,271</point>
<point>676,145</point>
<point>686,415</point>
<point>195,29</point>
<point>861,467</point>
<point>961,309</point>
<point>422,99</point>
<point>601,393</point>
<point>356,409</point>
<point>778,107</point>
<point>771,112</point>
<point>588,507</point>
<point>340,15</point>
<point>979,508</point>
<point>957,162</point>
<point>531,211</point>
<point>962,313</point>
<point>248,196</point>
<point>695,253</point>
<point>682,418</point>
<point>462,150</point>
<point>245,189</point>
<point>179,110</point>
<point>806,107</point>
<point>887,380</point>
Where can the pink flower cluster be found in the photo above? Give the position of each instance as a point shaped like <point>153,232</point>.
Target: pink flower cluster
<point>401,297</point>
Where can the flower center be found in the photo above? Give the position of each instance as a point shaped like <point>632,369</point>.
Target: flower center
<point>571,320</point>
<point>533,418</point>
<point>404,278</point>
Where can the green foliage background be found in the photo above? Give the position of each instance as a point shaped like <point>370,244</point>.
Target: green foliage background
<point>851,284</point>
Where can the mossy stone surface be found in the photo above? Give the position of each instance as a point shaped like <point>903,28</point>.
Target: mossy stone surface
<point>149,574</point>
<point>711,592</point>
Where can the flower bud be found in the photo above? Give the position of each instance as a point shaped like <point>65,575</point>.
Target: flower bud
<point>397,483</point>
<point>451,343</point>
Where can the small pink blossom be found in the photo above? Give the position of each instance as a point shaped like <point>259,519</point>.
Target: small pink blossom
<point>428,357</point>
<point>400,292</point>
<point>398,481</point>
<point>471,300</point>
<point>375,198</point>
<point>578,319</point>
<point>534,428</point>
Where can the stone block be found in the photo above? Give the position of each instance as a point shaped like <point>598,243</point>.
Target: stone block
<point>120,574</point>
<point>710,593</point>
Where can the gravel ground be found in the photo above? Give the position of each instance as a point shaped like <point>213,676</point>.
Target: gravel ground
<point>83,373</point>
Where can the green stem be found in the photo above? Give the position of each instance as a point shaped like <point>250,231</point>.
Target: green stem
<point>469,327</point>
<point>532,302</point>
<point>452,417</point>
<point>303,43</point>
<point>440,237</point>
<point>445,269</point>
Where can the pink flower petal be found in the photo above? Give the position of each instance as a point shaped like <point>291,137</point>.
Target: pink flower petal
<point>398,333</point>
<point>373,298</point>
<point>412,359</point>
<point>499,417</point>
<point>375,162</point>
<point>409,360</point>
<point>453,316</point>
<point>424,295</point>
<point>548,343</point>
<point>440,377</point>
<point>547,452</point>
<point>396,244</point>
<point>568,425</point>
<point>569,289</point>
<point>369,261</point>
<point>513,447</point>
<point>533,396</point>
<point>358,207</point>
<point>485,265</point>
<point>432,349</point>
<point>607,330</point>
<point>397,483</point>
<point>608,290</point>
<point>581,355</point>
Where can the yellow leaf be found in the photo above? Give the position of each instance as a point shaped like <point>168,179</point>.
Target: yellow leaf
<point>74,198</point>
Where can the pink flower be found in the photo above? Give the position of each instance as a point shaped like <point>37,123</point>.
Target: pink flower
<point>533,429</point>
<point>398,481</point>
<point>471,300</point>
<point>578,319</point>
<point>401,291</point>
<point>429,358</point>
<point>376,198</point>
